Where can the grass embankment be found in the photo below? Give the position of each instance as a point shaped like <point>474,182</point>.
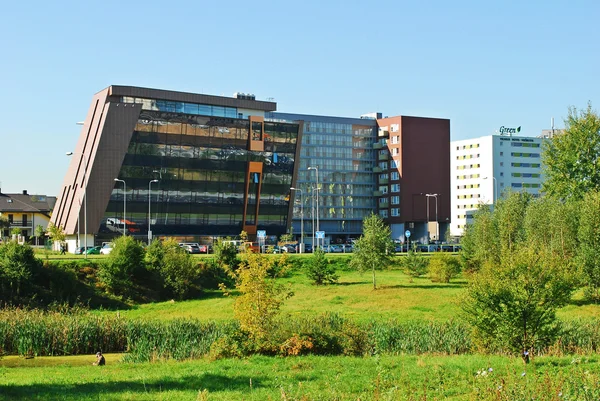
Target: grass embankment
<point>304,378</point>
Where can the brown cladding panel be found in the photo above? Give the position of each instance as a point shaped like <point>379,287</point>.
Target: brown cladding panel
<point>425,167</point>
<point>104,140</point>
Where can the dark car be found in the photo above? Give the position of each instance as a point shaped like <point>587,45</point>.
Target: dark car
<point>308,248</point>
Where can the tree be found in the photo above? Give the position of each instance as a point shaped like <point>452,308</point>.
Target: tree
<point>480,243</point>
<point>414,265</point>
<point>261,296</point>
<point>17,267</point>
<point>373,250</point>
<point>589,244</point>
<point>443,267</point>
<point>39,232</point>
<point>124,260</point>
<point>512,306</point>
<point>4,224</point>
<point>175,266</point>
<point>56,234</point>
<point>571,159</point>
<point>320,270</point>
<point>226,255</point>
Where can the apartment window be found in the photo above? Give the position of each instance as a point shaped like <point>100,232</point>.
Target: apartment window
<point>382,201</point>
<point>501,153</point>
<point>383,189</point>
<point>395,175</point>
<point>395,212</point>
<point>395,152</point>
<point>383,213</point>
<point>395,200</point>
<point>501,174</point>
<point>395,139</point>
<point>393,164</point>
<point>395,188</point>
<point>502,163</point>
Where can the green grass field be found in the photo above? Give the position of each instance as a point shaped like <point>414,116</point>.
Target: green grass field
<point>426,377</point>
<point>397,297</point>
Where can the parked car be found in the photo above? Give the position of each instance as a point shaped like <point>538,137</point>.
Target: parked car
<point>93,250</point>
<point>106,249</point>
<point>192,248</point>
<point>308,248</point>
<point>81,250</point>
<point>289,248</point>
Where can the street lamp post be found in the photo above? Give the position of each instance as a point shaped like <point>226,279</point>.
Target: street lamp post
<point>149,215</point>
<point>124,205</point>
<point>317,200</point>
<point>85,160</point>
<point>301,219</point>
<point>437,226</point>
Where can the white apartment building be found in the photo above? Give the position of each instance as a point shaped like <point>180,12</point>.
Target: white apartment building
<point>484,168</point>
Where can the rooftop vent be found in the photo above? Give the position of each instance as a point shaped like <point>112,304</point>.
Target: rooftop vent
<point>245,96</point>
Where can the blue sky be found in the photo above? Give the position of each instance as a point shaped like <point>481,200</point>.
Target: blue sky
<point>481,64</point>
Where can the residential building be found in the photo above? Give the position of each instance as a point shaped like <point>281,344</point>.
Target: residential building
<point>486,167</point>
<point>25,212</point>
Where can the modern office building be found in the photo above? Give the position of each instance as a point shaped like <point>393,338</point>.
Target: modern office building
<point>413,176</point>
<point>155,163</point>
<point>393,166</point>
<point>484,168</point>
<point>337,153</point>
<point>161,163</point>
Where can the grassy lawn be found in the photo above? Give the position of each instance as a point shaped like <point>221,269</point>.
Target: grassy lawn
<point>354,297</point>
<point>300,378</point>
<point>396,298</point>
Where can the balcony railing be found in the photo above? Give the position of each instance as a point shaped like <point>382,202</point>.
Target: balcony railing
<point>383,180</point>
<point>384,156</point>
<point>377,169</point>
<point>377,145</point>
<point>26,224</point>
<point>383,205</point>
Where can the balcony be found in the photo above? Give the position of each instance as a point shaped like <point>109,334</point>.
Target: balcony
<point>383,181</point>
<point>383,133</point>
<point>377,169</point>
<point>377,145</point>
<point>26,224</point>
<point>377,193</point>
<point>384,156</point>
<point>383,205</point>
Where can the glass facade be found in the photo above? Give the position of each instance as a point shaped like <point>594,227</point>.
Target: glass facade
<point>201,164</point>
<point>342,151</point>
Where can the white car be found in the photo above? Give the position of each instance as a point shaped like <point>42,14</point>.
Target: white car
<point>106,249</point>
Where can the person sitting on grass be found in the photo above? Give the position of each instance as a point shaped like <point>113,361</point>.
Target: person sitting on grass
<point>100,361</point>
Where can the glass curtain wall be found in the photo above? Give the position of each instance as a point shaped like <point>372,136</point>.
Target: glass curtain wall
<point>200,163</point>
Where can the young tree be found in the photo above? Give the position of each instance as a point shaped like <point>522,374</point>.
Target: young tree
<point>512,306</point>
<point>177,269</point>
<point>39,232</point>
<point>124,260</point>
<point>17,267</point>
<point>261,296</point>
<point>589,244</point>
<point>414,265</point>
<point>56,234</point>
<point>374,249</point>
<point>319,269</point>
<point>226,255</point>
<point>443,267</point>
<point>571,157</point>
<point>4,224</point>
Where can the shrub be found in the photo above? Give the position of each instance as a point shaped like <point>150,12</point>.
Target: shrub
<point>443,267</point>
<point>319,269</point>
<point>178,269</point>
<point>414,265</point>
<point>124,261</point>
<point>18,266</point>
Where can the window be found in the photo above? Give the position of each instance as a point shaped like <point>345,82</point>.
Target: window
<point>501,174</point>
<point>395,152</point>
<point>383,213</point>
<point>502,163</point>
<point>395,212</point>
<point>395,175</point>
<point>395,200</point>
<point>395,139</point>
<point>501,153</point>
<point>393,164</point>
<point>395,187</point>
